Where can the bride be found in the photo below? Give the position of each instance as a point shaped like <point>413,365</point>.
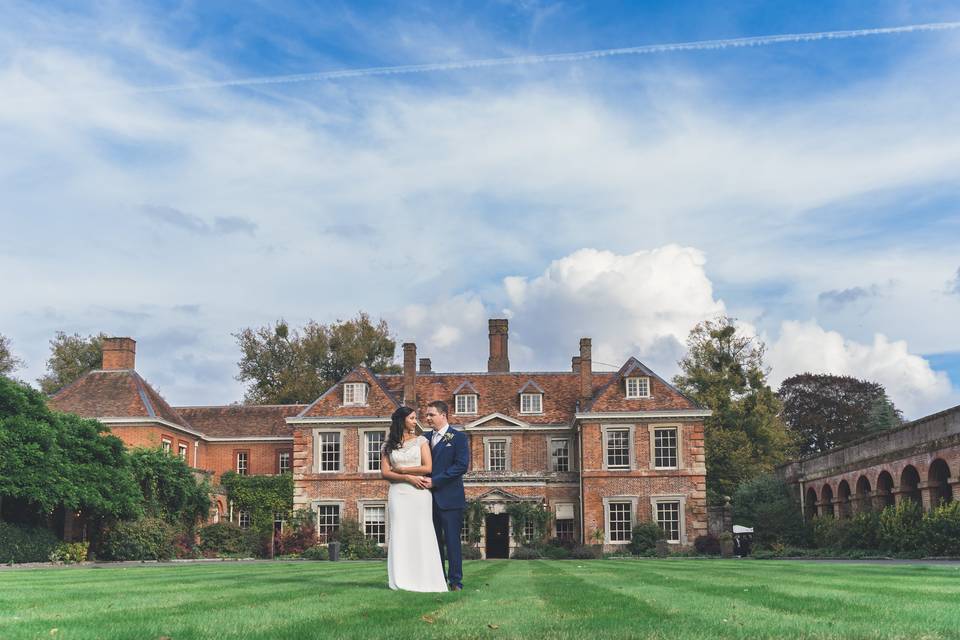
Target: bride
<point>413,558</point>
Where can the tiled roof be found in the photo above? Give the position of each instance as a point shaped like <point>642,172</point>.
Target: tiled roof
<point>115,393</point>
<point>242,420</point>
<point>612,396</point>
<point>381,399</point>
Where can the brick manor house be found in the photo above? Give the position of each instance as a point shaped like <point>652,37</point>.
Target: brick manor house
<point>601,450</point>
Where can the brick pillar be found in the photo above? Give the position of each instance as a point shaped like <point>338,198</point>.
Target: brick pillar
<point>929,492</point>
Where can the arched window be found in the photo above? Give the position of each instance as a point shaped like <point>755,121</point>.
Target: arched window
<point>863,494</point>
<point>909,484</point>
<point>826,498</point>
<point>939,478</point>
<point>885,488</point>
<point>843,494</point>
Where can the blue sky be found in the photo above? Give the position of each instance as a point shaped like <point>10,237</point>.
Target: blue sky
<point>809,189</point>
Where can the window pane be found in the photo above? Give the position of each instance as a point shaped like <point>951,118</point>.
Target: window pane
<point>244,519</point>
<point>668,517</point>
<point>531,403</point>
<point>242,463</point>
<point>620,521</point>
<point>529,531</point>
<point>565,529</point>
<point>665,447</point>
<point>498,455</point>
<point>560,455</point>
<point>182,451</point>
<point>375,523</point>
<point>284,462</point>
<point>328,521</point>
<point>618,449</point>
<point>329,452</point>
<point>375,442</point>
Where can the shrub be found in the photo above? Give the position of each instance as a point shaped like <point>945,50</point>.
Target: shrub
<point>354,544</point>
<point>707,545</point>
<point>70,552</point>
<point>526,553</point>
<point>829,532</point>
<point>26,544</point>
<point>586,552</point>
<point>862,531</point>
<point>226,538</point>
<point>565,543</point>
<point>941,530</point>
<point>471,553</point>
<point>644,537</point>
<point>900,527</point>
<point>317,552</point>
<point>144,539</point>
<point>768,505</point>
<point>556,553</point>
<point>299,539</point>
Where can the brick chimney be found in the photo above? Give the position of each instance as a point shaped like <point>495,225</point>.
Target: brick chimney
<point>586,369</point>
<point>425,366</point>
<point>498,362</point>
<point>119,353</point>
<point>575,364</point>
<point>410,374</point>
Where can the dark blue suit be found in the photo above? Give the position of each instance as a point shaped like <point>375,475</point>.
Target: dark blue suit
<point>450,459</point>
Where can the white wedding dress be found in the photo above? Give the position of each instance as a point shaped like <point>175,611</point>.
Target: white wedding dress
<point>413,557</point>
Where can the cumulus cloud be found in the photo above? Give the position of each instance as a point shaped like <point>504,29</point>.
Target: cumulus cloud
<point>909,379</point>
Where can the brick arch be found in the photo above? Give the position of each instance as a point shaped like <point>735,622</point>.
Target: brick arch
<point>826,500</point>
<point>810,503</point>
<point>909,485</point>
<point>884,487</point>
<point>863,492</point>
<point>938,477</point>
<point>843,499</point>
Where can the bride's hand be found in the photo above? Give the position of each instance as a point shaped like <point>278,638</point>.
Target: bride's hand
<point>418,481</point>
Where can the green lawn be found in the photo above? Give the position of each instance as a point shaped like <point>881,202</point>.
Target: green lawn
<point>502,599</point>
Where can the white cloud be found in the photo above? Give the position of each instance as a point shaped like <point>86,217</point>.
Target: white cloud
<point>912,384</point>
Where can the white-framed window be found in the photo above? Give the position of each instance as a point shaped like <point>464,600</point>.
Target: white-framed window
<point>329,455</point>
<point>373,445</point>
<point>565,529</point>
<point>638,387</point>
<point>665,448</point>
<point>668,517</point>
<point>465,533</point>
<point>620,520</point>
<point>531,403</point>
<point>617,445</point>
<point>497,454</point>
<point>166,445</point>
<point>354,393</point>
<point>466,404</point>
<point>182,451</point>
<point>560,454</point>
<point>243,462</point>
<point>283,461</point>
<point>375,522</point>
<point>328,521</point>
<point>529,531</point>
<point>243,519</point>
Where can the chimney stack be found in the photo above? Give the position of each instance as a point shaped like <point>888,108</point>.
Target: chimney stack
<point>425,366</point>
<point>498,362</point>
<point>586,369</point>
<point>119,353</point>
<point>575,364</point>
<point>410,374</point>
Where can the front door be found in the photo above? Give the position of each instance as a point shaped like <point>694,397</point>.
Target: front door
<point>498,535</point>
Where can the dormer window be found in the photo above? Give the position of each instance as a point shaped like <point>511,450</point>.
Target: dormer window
<point>466,404</point>
<point>354,393</point>
<point>638,387</point>
<point>531,403</point>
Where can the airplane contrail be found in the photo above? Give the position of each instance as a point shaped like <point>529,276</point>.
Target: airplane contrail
<point>699,45</point>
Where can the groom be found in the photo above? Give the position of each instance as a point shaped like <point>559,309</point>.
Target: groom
<point>451,455</point>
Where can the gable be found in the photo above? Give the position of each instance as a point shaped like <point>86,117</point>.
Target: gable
<point>495,420</point>
<point>612,397</point>
<point>380,401</point>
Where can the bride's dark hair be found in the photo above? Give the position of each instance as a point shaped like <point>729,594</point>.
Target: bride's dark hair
<point>395,437</point>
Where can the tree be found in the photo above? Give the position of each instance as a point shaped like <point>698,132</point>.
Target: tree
<point>8,362</point>
<point>50,459</point>
<point>771,508</point>
<point>827,411</point>
<point>286,366</point>
<point>70,358</point>
<point>744,437</point>
<point>171,491</point>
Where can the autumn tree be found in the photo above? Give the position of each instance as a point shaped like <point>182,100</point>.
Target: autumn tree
<point>8,362</point>
<point>284,365</point>
<point>70,358</point>
<point>827,411</point>
<point>744,437</point>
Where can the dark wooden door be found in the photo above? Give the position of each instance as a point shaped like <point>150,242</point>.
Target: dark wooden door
<point>498,535</point>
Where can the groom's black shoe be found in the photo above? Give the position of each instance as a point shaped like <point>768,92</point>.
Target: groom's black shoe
<point>456,587</point>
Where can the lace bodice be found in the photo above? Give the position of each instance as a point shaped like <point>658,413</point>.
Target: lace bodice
<point>409,455</point>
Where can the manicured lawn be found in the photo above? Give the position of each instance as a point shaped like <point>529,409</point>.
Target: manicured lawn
<point>503,599</point>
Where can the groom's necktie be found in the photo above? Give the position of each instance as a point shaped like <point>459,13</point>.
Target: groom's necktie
<point>436,439</point>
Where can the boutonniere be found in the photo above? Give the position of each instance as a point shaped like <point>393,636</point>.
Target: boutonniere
<point>447,437</point>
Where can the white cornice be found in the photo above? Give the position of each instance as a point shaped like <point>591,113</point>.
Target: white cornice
<point>514,423</point>
<point>148,420</point>
<point>343,420</point>
<point>664,413</point>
